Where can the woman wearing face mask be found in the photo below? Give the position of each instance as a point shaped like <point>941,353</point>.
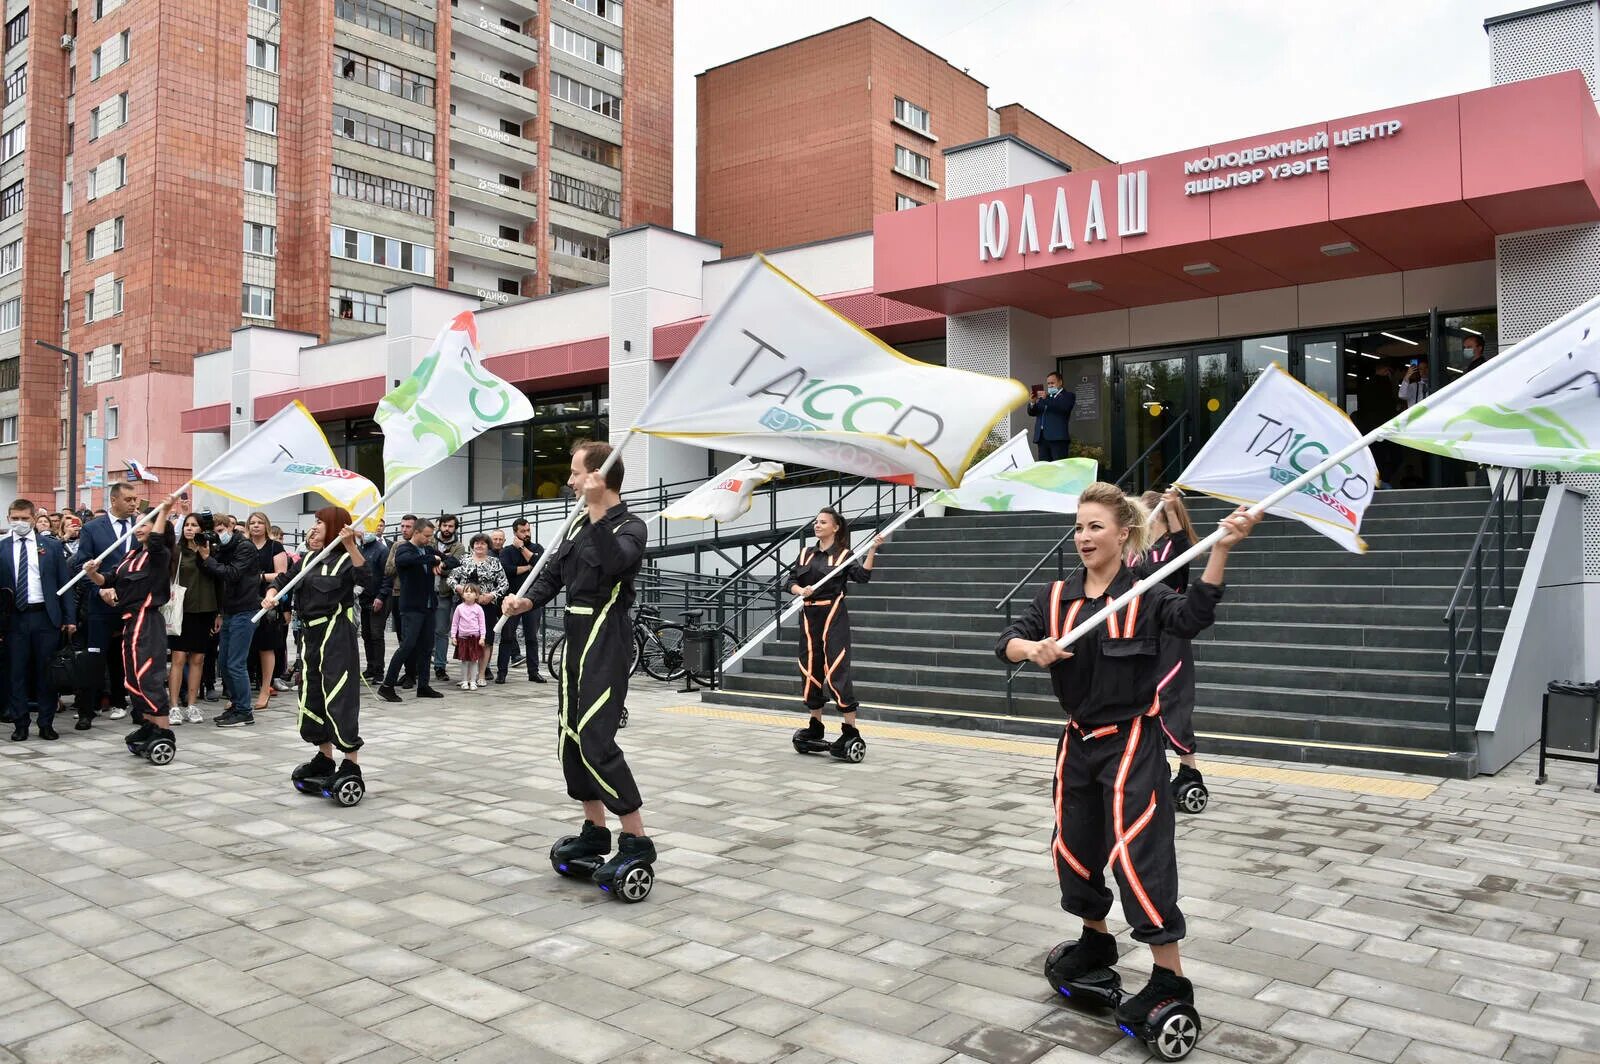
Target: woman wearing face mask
<point>138,588</point>
<point>482,569</point>
<point>330,684</point>
<point>825,628</point>
<point>201,623</point>
<point>1174,534</point>
<point>1113,798</point>
<point>270,637</point>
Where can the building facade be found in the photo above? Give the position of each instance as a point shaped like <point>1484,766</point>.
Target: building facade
<point>814,138</point>
<point>285,169</point>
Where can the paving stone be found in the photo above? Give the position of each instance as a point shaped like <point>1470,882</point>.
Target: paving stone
<point>434,1032</point>
<point>83,1041</point>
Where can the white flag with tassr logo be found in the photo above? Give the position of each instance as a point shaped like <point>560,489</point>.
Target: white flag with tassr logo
<point>1280,430</point>
<point>725,496</point>
<point>778,374</point>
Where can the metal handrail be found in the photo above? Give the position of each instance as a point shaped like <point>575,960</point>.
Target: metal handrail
<point>1473,568</point>
<point>798,532</point>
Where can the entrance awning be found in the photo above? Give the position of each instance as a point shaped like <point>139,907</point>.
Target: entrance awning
<point>1426,184</point>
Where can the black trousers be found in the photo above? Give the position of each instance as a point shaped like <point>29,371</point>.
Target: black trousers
<point>594,690</point>
<point>31,643</point>
<point>144,663</point>
<point>372,638</point>
<point>1176,693</point>
<point>105,636</point>
<point>1113,802</point>
<point>1051,450</point>
<point>416,647</point>
<point>528,624</point>
<point>330,682</point>
<point>825,655</point>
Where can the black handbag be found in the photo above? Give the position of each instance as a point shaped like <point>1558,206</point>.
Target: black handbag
<point>77,669</point>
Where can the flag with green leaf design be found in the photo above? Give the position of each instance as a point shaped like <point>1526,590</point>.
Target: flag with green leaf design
<point>1052,487</point>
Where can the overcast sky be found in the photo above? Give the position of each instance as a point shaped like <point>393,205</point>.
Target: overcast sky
<point>1133,78</point>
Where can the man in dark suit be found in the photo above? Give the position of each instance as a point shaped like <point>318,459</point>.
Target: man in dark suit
<point>112,529</point>
<point>34,566</point>
<point>417,568</point>
<point>518,558</point>
<point>1052,411</point>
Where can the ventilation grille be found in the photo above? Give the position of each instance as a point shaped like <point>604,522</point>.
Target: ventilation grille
<point>1546,43</point>
<point>1543,275</point>
<point>975,170</point>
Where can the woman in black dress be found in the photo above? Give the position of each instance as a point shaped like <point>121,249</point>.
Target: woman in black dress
<point>270,634</point>
<point>201,622</point>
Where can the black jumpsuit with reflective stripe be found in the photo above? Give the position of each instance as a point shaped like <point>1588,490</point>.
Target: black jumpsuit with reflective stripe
<point>330,683</point>
<point>825,628</point>
<point>143,583</point>
<point>597,565</point>
<point>1177,653</point>
<point>1112,788</point>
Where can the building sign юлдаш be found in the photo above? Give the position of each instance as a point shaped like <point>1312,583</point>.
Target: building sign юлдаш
<point>1283,159</point>
<point>1133,218</point>
<point>1244,171</point>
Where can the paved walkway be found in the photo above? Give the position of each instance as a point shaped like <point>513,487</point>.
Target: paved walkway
<point>894,912</point>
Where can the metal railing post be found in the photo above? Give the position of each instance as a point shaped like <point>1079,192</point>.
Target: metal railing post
<point>1477,607</point>
<point>1450,708</point>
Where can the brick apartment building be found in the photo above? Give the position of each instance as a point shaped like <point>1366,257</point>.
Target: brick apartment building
<point>172,172</point>
<point>811,139</point>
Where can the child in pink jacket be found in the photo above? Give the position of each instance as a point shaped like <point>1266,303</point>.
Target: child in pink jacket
<point>467,628</point>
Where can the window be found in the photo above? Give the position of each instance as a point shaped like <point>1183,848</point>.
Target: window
<point>103,364</point>
<point>110,55</point>
<point>257,302</point>
<point>102,8</point>
<point>373,15</point>
<point>507,286</point>
<point>17,86</point>
<point>260,239</point>
<point>108,177</point>
<point>903,202</point>
<point>586,96</point>
<point>507,232</point>
<point>266,5</point>
<point>912,115</point>
<point>385,77</point>
<point>360,246</point>
<point>116,233</point>
<point>909,162</point>
<point>93,307</point>
<point>11,314</point>
<point>113,418</point>
<point>262,54</point>
<point>260,177</point>
<point>510,128</point>
<point>573,43</point>
<point>10,199</point>
<point>111,115</point>
<point>382,133</point>
<point>579,244</point>
<point>11,374</point>
<point>610,10</point>
<point>531,460</point>
<point>260,115</point>
<point>586,147</point>
<point>350,304</point>
<point>8,425</point>
<point>11,257</point>
<point>585,196</point>
<point>511,182</point>
<point>17,30</point>
<point>384,191</point>
<point>13,140</point>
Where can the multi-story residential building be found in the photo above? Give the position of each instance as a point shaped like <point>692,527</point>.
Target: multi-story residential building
<point>174,175</point>
<point>811,139</point>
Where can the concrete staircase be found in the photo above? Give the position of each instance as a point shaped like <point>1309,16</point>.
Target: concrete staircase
<point>1318,655</point>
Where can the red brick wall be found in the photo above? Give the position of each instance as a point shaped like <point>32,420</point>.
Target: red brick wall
<point>305,166</point>
<point>646,112</point>
<point>1027,126</point>
<point>39,448</point>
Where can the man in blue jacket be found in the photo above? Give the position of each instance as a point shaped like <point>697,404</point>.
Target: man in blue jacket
<point>1052,411</point>
<point>33,566</point>
<point>111,529</point>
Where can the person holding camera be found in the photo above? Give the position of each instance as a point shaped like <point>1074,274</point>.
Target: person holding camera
<point>1414,385</point>
<point>198,635</point>
<point>236,567</point>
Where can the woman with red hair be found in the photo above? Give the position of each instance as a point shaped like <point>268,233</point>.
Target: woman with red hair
<point>330,685</point>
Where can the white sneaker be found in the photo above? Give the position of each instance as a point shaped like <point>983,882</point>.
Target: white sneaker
<point>118,712</point>
<point>465,685</point>
<point>476,685</point>
<point>175,716</point>
<point>195,717</point>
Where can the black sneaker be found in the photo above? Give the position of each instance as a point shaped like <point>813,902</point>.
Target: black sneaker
<point>208,694</point>
<point>1069,961</point>
<point>517,661</point>
<point>501,678</point>
<point>407,682</point>
<point>388,693</point>
<point>440,673</point>
<point>429,692</point>
<point>534,677</point>
<point>236,719</point>
<point>629,848</point>
<point>1165,985</point>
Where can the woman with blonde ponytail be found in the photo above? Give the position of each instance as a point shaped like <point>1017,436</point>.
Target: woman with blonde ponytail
<point>1174,534</point>
<point>1113,795</point>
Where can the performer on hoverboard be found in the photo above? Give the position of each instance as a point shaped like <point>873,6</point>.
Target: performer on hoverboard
<point>1174,533</point>
<point>825,625</point>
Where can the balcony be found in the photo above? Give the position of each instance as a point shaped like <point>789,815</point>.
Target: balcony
<point>493,144</point>
<point>493,250</point>
<point>487,86</point>
<point>484,295</point>
<point>486,192</point>
<point>514,46</point>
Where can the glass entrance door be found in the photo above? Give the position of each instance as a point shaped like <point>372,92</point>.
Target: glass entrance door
<point>1153,394</point>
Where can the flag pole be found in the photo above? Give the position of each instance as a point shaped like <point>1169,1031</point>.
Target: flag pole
<point>126,537</point>
<point>327,548</point>
<point>577,512</point>
<point>795,605</point>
